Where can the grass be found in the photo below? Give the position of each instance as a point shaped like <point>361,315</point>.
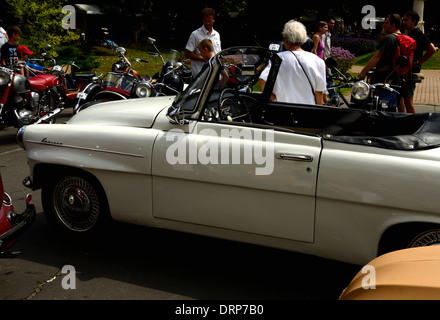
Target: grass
<point>107,57</point>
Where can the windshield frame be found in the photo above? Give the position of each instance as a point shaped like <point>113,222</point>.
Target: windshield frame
<point>205,81</point>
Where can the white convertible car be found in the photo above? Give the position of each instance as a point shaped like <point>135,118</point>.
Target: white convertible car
<point>338,183</point>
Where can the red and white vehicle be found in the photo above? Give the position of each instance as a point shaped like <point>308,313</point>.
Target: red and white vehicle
<point>12,224</point>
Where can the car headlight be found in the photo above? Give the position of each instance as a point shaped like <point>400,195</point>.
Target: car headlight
<point>360,90</point>
<point>143,90</point>
<point>4,78</point>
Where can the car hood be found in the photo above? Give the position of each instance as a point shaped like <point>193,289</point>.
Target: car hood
<point>131,113</point>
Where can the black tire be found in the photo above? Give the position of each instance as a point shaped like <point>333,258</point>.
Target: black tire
<point>409,236</point>
<point>424,239</point>
<point>74,203</point>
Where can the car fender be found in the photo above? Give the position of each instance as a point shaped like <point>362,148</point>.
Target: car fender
<point>124,156</point>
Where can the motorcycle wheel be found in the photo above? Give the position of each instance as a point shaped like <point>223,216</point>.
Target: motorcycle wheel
<point>74,203</point>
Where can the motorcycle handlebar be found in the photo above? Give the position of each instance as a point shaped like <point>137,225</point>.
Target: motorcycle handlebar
<point>386,86</point>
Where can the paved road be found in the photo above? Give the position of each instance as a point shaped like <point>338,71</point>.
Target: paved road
<point>131,263</point>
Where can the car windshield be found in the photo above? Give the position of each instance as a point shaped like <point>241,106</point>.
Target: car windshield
<point>243,65</point>
<point>188,98</point>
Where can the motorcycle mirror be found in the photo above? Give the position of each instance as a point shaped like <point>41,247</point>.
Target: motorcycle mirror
<point>151,40</point>
<point>330,62</point>
<point>402,61</point>
<point>47,47</point>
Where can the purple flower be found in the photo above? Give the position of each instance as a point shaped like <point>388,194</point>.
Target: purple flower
<point>344,58</point>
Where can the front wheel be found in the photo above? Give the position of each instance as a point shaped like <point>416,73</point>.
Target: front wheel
<point>74,203</point>
<point>427,238</point>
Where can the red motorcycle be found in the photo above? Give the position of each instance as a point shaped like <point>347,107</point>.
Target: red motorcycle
<point>13,224</point>
<point>26,101</point>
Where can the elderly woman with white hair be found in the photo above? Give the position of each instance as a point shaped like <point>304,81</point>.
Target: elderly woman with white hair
<point>301,78</point>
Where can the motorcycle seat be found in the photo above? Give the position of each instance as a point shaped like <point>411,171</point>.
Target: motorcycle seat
<point>85,76</point>
<point>42,82</point>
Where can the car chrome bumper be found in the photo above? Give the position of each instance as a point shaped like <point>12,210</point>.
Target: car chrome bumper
<point>22,221</point>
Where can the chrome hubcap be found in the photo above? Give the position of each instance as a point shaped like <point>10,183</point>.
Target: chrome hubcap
<point>76,204</point>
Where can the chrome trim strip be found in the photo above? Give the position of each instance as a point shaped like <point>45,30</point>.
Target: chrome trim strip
<point>87,149</point>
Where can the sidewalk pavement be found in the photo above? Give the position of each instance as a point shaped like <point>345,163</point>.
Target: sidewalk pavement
<point>427,93</point>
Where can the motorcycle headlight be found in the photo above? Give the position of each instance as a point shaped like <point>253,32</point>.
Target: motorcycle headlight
<point>4,78</point>
<point>143,90</point>
<point>360,90</point>
<point>57,74</point>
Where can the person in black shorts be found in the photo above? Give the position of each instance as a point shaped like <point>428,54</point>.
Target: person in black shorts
<point>383,58</point>
<point>409,22</point>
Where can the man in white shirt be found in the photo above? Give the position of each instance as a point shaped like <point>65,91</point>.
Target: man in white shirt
<point>327,41</point>
<point>205,32</point>
<point>301,77</point>
<point>3,36</point>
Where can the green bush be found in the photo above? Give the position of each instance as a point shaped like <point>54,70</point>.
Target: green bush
<point>83,59</point>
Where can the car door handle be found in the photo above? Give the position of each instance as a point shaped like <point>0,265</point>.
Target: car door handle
<point>294,157</point>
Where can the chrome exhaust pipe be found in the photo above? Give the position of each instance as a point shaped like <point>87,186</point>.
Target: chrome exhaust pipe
<point>50,115</point>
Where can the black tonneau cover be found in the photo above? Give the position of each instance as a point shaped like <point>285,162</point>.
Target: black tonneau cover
<point>400,131</point>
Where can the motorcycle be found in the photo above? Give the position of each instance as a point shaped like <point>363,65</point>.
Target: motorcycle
<point>26,101</point>
<point>364,95</point>
<point>71,83</point>
<point>122,83</point>
<point>172,78</point>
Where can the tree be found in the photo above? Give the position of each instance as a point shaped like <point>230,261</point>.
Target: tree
<point>41,22</point>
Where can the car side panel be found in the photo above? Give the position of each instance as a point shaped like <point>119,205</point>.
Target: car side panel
<point>362,191</point>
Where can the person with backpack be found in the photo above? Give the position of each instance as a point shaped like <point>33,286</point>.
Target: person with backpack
<point>409,22</point>
<point>384,55</point>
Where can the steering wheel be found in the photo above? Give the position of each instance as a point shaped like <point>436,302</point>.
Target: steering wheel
<point>232,108</point>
